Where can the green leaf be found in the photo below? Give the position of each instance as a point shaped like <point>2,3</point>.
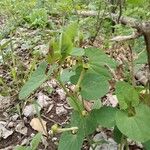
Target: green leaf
<point>97,57</point>
<point>37,78</point>
<point>77,52</point>
<point>97,104</point>
<point>105,116</point>
<point>66,45</point>
<point>146,145</point>
<point>67,39</point>
<point>66,75</point>
<point>2,46</point>
<point>93,86</point>
<point>73,104</point>
<point>69,141</point>
<point>136,2</point>
<point>86,125</point>
<point>127,95</point>
<point>142,58</point>
<point>54,51</point>
<point>117,135</point>
<point>20,148</point>
<point>72,30</point>
<point>102,71</point>
<point>74,79</point>
<point>35,141</point>
<point>135,127</point>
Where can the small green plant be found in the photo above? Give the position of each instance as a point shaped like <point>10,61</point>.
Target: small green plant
<point>33,145</point>
<point>90,75</point>
<point>38,18</point>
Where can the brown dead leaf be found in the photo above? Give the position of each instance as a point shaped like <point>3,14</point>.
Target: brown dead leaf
<point>39,125</point>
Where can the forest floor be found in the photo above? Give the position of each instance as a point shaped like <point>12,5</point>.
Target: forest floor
<point>25,48</point>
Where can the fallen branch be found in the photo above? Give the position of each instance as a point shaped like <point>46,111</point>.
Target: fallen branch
<point>125,38</point>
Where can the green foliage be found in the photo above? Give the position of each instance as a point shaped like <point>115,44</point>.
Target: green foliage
<point>136,2</point>
<point>117,135</point>
<point>105,116</point>
<point>38,18</point>
<point>127,95</point>
<point>67,39</point>
<point>91,86</point>
<point>135,127</point>
<point>36,79</point>
<point>74,141</point>
<point>91,72</point>
<point>33,145</point>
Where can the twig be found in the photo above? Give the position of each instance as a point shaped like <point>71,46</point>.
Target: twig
<point>125,38</point>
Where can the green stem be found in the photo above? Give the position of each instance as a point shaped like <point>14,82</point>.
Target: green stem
<point>126,144</point>
<point>79,81</point>
<point>60,130</point>
<point>121,146</point>
<point>71,96</point>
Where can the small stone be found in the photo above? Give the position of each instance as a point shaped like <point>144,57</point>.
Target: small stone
<point>61,93</point>
<point>54,139</point>
<point>110,143</point>
<point>24,142</point>
<point>21,128</point>
<point>10,124</point>
<point>30,110</point>
<point>43,100</point>
<point>4,133</point>
<point>51,116</point>
<point>14,117</point>
<point>61,111</point>
<point>4,102</point>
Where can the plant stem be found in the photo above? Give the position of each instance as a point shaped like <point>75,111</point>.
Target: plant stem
<point>132,67</point>
<point>126,144</point>
<point>121,146</point>
<point>80,79</point>
<point>71,96</point>
<point>147,42</point>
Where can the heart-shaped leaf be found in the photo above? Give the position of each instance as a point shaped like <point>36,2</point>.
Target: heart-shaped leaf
<point>105,116</point>
<point>99,58</point>
<point>86,125</point>
<point>127,95</point>
<point>135,127</point>
<point>93,86</point>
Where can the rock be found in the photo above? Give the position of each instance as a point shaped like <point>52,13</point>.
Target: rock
<point>30,110</point>
<point>14,117</point>
<point>4,133</point>
<point>24,141</point>
<point>112,100</point>
<point>10,124</point>
<point>4,102</point>
<point>43,49</point>
<point>61,111</point>
<point>43,100</point>
<point>110,144</point>
<point>21,128</point>
<point>52,83</point>
<point>61,93</point>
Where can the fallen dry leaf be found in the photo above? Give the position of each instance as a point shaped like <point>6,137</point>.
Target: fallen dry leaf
<point>39,125</point>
